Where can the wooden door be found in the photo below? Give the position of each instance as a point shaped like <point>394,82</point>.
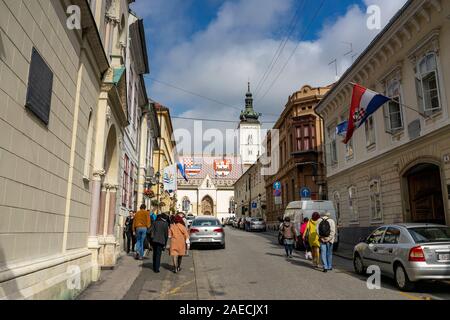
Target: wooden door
<point>425,196</point>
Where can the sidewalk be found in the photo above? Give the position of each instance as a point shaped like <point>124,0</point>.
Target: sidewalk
<point>135,280</point>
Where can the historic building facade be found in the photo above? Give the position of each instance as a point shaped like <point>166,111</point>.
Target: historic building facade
<point>300,152</point>
<point>250,193</point>
<point>209,189</point>
<point>397,166</point>
<point>63,99</point>
<point>163,156</point>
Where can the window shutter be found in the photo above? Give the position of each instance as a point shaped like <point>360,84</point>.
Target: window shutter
<point>40,84</point>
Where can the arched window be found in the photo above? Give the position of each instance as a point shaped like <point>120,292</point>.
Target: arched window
<point>186,204</point>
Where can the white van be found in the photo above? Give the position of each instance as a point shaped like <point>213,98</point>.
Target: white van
<point>298,210</point>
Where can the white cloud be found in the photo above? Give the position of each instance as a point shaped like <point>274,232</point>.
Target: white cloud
<point>237,45</point>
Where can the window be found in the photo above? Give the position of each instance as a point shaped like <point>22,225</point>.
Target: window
<point>40,86</point>
<point>349,151</point>
<point>131,188</point>
<point>391,236</point>
<point>393,109</point>
<point>186,204</point>
<point>353,204</point>
<point>376,236</point>
<point>427,84</point>
<point>125,181</point>
<point>305,136</point>
<point>332,145</point>
<point>370,132</point>
<point>337,204</point>
<point>375,201</point>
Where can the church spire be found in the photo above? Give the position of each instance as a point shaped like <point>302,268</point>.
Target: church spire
<point>249,114</point>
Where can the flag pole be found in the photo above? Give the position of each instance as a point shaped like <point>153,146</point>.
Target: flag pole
<point>401,104</point>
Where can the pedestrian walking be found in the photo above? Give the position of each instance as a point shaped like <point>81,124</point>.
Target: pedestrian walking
<point>288,232</point>
<point>312,237</point>
<point>182,215</point>
<point>159,233</point>
<point>153,215</point>
<point>179,237</point>
<point>141,224</point>
<point>130,239</point>
<point>327,232</point>
<point>308,255</point>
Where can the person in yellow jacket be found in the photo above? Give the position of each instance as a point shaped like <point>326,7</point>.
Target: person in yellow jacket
<point>313,238</point>
<point>141,223</point>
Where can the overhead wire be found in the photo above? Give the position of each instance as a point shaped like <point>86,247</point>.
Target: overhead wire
<point>281,47</point>
<point>293,51</point>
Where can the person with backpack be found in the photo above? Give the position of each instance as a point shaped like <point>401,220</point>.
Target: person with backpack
<point>312,237</point>
<point>288,231</point>
<point>327,232</point>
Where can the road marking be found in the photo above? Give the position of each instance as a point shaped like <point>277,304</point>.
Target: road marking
<point>177,289</point>
<point>411,297</point>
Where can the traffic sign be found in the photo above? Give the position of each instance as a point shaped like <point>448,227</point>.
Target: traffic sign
<point>305,193</point>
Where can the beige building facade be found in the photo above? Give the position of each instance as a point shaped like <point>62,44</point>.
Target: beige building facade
<point>396,168</point>
<point>250,193</point>
<point>63,112</point>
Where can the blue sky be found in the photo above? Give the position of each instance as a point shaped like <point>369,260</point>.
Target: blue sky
<point>212,47</point>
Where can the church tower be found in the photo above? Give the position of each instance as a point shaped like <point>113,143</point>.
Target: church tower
<point>249,133</point>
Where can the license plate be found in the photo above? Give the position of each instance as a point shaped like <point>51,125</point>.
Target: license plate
<point>444,257</point>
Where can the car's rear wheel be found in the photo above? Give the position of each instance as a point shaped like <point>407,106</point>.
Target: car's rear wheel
<point>401,279</point>
<point>358,265</point>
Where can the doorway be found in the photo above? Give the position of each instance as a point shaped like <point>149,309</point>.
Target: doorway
<point>207,206</point>
<point>425,194</point>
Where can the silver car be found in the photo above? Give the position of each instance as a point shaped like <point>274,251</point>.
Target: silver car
<point>407,252</point>
<point>207,231</point>
<point>257,224</point>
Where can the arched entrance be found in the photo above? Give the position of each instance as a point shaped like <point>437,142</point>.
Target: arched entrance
<point>207,206</point>
<point>424,191</point>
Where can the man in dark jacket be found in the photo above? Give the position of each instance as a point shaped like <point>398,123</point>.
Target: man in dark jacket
<point>128,233</point>
<point>159,234</point>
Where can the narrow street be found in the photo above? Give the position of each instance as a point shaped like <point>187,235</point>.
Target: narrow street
<point>253,266</point>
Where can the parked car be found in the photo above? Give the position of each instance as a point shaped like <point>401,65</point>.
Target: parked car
<point>208,231</point>
<point>407,252</point>
<point>190,218</point>
<point>257,224</point>
<point>230,221</point>
<point>298,210</point>
<point>242,224</point>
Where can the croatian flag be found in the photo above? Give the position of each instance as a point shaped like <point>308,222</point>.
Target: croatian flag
<point>364,103</point>
<point>182,171</point>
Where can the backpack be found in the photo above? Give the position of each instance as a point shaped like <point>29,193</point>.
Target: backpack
<point>324,228</point>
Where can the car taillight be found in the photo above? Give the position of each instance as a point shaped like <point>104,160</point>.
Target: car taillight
<point>194,230</point>
<point>219,230</point>
<point>416,254</point>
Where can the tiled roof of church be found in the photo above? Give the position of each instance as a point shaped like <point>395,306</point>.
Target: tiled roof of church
<point>207,167</point>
